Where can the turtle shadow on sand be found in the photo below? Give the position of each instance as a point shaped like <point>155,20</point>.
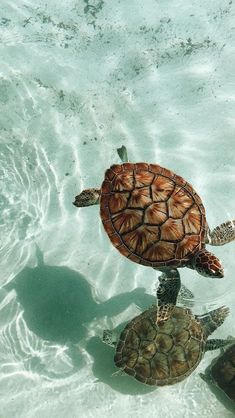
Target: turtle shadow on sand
<point>58,304</point>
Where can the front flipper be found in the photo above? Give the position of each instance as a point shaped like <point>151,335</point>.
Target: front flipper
<point>108,338</point>
<point>207,264</point>
<point>87,197</point>
<point>215,343</point>
<point>167,292</point>
<point>222,234</point>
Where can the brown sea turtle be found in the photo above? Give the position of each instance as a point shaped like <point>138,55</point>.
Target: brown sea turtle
<point>165,352</point>
<point>155,218</point>
<point>220,375</point>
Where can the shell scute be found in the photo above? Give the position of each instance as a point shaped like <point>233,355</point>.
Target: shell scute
<point>124,250</point>
<point>192,220</point>
<point>143,368</point>
<point>134,258</point>
<point>109,228</point>
<point>109,174</point>
<point>106,186</point>
<point>164,342</point>
<point>105,200</point>
<point>127,220</point>
<point>115,239</point>
<point>106,215</point>
<point>180,181</point>
<point>143,178</point>
<point>147,349</point>
<point>176,354</point>
<point>194,352</point>
<point>162,188</point>
<point>132,339</point>
<point>168,173</point>
<point>139,239</point>
<point>145,329</point>
<point>156,169</point>
<point>140,198</point>
<point>179,368</point>
<point>159,366</point>
<point>182,337</point>
<point>123,182</point>
<point>196,330</point>
<point>132,359</point>
<point>128,166</point>
<point>142,166</point>
<point>156,213</point>
<point>187,246</point>
<point>130,371</point>
<point>117,201</point>
<point>160,251</point>
<point>116,168</point>
<point>172,230</point>
<point>179,202</point>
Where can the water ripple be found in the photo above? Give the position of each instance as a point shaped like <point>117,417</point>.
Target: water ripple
<point>26,183</point>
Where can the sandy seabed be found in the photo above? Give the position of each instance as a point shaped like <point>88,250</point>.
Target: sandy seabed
<point>77,80</point>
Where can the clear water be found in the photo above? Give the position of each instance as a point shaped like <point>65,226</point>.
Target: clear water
<point>77,80</point>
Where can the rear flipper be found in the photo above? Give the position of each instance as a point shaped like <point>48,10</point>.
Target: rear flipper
<point>185,293</point>
<point>215,343</point>
<point>185,297</point>
<point>122,152</point>
<point>167,292</point>
<point>222,234</point>
<point>213,319</point>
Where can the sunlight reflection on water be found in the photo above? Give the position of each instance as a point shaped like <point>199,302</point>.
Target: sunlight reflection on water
<point>77,81</point>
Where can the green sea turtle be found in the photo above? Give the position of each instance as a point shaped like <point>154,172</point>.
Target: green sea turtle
<point>220,375</point>
<point>155,218</point>
<point>165,352</point>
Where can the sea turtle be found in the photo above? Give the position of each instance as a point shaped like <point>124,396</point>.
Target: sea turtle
<point>165,352</point>
<point>155,218</point>
<point>220,375</point>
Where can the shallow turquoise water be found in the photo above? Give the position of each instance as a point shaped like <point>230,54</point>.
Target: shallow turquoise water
<point>78,80</point>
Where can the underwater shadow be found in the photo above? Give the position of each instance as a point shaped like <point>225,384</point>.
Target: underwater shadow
<point>58,306</point>
<point>58,301</point>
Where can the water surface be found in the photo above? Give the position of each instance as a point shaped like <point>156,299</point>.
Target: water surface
<point>77,80</point>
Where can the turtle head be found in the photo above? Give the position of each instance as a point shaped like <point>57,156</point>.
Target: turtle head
<point>207,264</point>
<point>87,197</point>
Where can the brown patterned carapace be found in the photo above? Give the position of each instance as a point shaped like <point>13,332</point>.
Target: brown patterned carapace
<point>223,372</point>
<point>161,354</point>
<point>152,216</point>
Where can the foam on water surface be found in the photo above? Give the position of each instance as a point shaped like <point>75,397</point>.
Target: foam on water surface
<point>78,80</point>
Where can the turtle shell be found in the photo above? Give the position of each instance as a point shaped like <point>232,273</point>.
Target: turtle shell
<point>151,215</point>
<point>161,354</point>
<point>223,372</point>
